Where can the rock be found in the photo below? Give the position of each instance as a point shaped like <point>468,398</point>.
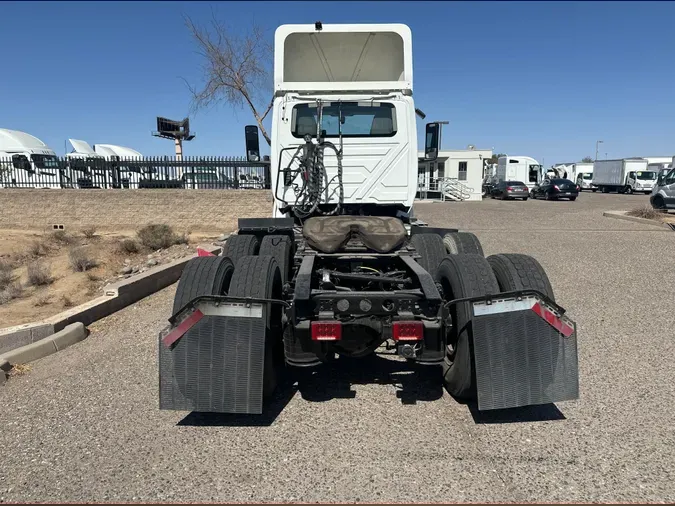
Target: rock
<point>149,256</point>
<point>223,237</point>
<point>152,262</point>
<point>127,269</point>
<point>127,260</point>
<point>134,268</point>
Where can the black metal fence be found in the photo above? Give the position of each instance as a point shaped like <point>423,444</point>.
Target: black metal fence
<point>44,171</point>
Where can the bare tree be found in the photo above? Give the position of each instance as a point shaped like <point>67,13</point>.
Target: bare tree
<point>236,67</point>
<point>586,159</point>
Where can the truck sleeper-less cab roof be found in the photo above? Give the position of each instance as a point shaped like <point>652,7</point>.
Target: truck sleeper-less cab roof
<point>358,58</point>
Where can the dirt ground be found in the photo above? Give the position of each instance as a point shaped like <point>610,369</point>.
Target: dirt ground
<point>68,287</point>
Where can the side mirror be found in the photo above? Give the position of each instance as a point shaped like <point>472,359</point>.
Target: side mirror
<point>432,141</point>
<point>252,144</point>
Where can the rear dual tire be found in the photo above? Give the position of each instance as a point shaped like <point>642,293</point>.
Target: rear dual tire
<point>433,249</point>
<point>463,276</point>
<point>260,277</point>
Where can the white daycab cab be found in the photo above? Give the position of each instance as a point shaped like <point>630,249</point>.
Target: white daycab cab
<point>86,165</point>
<point>129,174</point>
<point>582,175</point>
<point>519,168</point>
<point>26,161</point>
<point>627,175</point>
<point>355,81</point>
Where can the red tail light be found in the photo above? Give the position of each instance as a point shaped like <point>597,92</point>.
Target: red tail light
<point>509,189</point>
<point>327,330</point>
<point>578,188</point>
<point>407,331</point>
<point>556,187</point>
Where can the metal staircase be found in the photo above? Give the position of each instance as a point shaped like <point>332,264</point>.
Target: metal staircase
<point>453,189</point>
<point>446,188</point>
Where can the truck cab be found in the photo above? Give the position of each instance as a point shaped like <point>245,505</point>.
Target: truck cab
<point>585,181</point>
<point>350,88</point>
<point>519,168</point>
<point>642,181</point>
<point>26,161</point>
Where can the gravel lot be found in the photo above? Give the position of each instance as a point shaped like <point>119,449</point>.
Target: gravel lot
<point>83,425</point>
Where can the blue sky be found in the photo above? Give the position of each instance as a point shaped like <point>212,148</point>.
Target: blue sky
<point>544,79</point>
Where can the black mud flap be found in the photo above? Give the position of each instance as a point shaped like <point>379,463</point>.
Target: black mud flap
<point>213,359</point>
<point>525,354</point>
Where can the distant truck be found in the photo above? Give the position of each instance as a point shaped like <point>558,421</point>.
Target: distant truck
<point>519,168</point>
<point>627,175</point>
<point>26,161</point>
<point>582,175</point>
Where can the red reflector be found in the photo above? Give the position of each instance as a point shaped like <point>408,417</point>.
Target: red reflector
<point>562,327</point>
<point>326,331</point>
<point>182,328</point>
<point>203,253</point>
<point>407,331</point>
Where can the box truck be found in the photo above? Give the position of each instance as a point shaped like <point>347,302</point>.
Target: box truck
<point>626,175</point>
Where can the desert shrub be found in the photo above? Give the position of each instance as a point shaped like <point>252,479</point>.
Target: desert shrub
<point>39,274</point>
<point>645,212</point>
<point>61,237</point>
<point>66,301</point>
<point>93,277</point>
<point>38,249</point>
<point>43,300</point>
<point>158,236</point>
<point>10,292</point>
<point>6,275</point>
<point>128,246</point>
<point>89,232</point>
<point>80,261</point>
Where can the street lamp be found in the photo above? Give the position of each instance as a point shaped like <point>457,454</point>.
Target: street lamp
<point>596,148</point>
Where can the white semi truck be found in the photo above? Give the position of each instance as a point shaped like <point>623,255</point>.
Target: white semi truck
<point>26,161</point>
<point>519,168</point>
<point>627,175</point>
<point>344,269</point>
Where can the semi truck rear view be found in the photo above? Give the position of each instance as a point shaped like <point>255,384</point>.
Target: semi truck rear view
<point>343,268</point>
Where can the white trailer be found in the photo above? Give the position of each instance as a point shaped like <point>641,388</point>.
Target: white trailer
<point>626,175</point>
<point>26,161</point>
<point>519,168</point>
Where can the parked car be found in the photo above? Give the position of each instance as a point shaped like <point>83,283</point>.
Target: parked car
<point>553,189</point>
<point>663,194</point>
<point>505,190</point>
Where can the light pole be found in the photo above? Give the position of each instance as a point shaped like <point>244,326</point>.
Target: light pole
<point>597,143</point>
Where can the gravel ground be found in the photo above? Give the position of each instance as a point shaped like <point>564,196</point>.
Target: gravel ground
<point>83,425</point>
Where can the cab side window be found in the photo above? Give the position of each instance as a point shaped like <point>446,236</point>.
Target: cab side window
<point>670,178</point>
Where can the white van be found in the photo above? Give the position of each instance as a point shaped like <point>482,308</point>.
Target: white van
<point>663,195</point>
<point>27,162</point>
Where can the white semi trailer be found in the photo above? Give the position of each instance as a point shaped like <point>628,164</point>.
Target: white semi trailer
<point>625,175</point>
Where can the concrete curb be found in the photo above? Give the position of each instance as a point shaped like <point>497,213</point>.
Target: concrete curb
<point>73,333</point>
<point>621,215</point>
<point>116,296</point>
